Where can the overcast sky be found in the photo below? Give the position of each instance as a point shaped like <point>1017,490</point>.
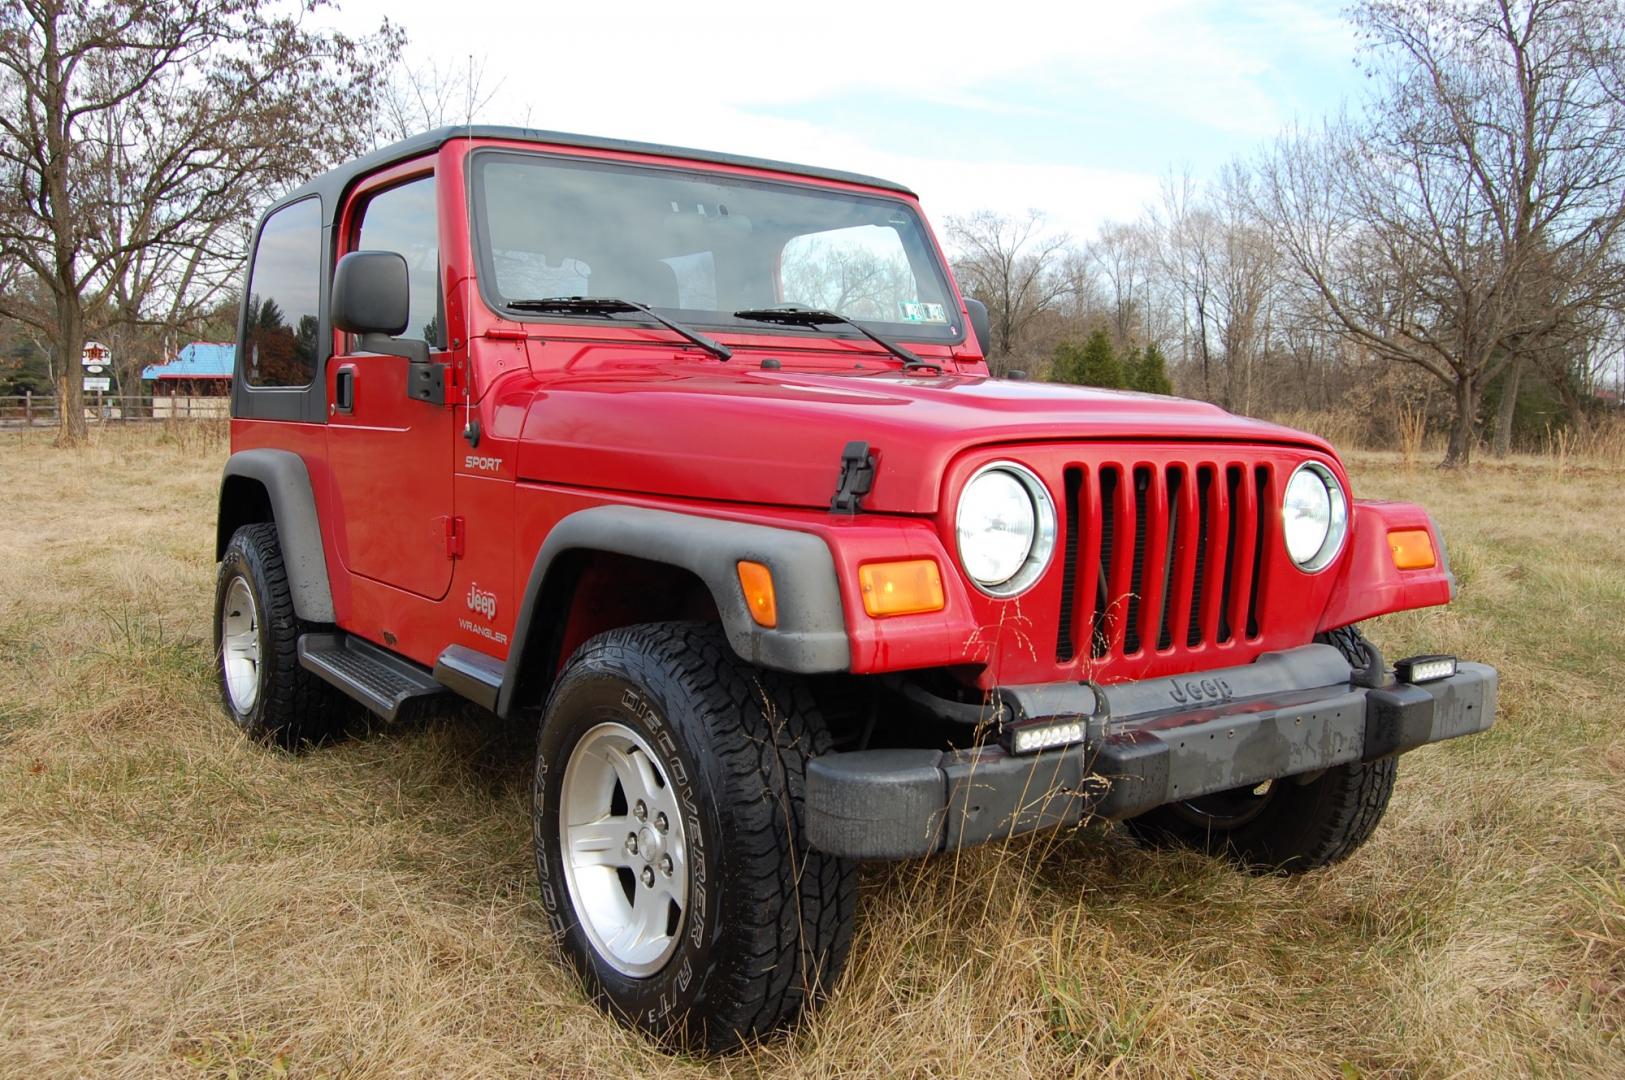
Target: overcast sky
<point>1077,109</point>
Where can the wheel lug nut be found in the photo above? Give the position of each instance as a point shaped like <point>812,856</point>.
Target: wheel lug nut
<point>640,811</point>
<point>660,822</point>
<point>631,845</point>
<point>665,865</point>
<point>648,876</point>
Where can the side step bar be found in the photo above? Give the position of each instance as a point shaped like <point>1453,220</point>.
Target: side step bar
<point>375,677</point>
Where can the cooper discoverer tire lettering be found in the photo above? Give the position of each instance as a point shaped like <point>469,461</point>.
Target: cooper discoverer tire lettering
<point>761,926</point>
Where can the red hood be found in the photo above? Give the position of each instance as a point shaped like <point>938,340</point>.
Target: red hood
<point>741,434</point>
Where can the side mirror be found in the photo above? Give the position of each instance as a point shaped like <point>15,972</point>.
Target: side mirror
<point>371,293</point>
<point>979,323</point>
<point>372,298</point>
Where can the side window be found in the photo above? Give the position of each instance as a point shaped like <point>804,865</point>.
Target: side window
<point>280,343</point>
<point>403,219</point>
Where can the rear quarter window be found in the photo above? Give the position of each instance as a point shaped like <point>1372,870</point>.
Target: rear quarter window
<point>280,331</point>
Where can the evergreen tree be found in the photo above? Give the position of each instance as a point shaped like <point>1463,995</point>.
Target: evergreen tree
<point>1063,366</point>
<point>1131,362</point>
<point>1148,371</point>
<point>1091,364</point>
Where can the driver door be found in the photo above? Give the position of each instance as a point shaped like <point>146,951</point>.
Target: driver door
<point>391,456</point>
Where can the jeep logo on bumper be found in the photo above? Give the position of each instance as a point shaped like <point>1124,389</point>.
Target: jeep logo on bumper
<point>1191,691</point>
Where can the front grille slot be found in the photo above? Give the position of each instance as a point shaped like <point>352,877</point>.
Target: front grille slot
<point>1261,481</point>
<point>1204,494</point>
<point>1136,578</point>
<point>1065,641</point>
<point>1232,483</point>
<point>1099,630</point>
<point>1161,557</point>
<point>1175,583</point>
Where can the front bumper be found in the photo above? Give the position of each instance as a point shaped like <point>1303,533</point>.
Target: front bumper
<point>1148,743</point>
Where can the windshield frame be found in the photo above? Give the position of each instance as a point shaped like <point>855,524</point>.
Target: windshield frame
<point>955,333</point>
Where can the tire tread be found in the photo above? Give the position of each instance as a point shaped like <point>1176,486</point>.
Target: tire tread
<point>295,707</point>
<point>792,908</point>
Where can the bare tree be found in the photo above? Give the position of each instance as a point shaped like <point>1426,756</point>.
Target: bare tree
<point>1187,241</point>
<point>135,140</point>
<point>1245,284</point>
<point>1219,273</point>
<point>1121,254</point>
<point>422,96</point>
<point>1082,299</point>
<point>1474,210</point>
<point>1011,265</point>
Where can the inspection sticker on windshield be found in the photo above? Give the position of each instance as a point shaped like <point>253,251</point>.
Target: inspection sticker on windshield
<point>915,311</point>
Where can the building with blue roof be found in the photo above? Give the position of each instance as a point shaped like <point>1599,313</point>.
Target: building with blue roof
<point>196,382</point>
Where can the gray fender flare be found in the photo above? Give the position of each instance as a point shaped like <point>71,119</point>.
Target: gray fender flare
<point>293,506</point>
<point>811,632</point>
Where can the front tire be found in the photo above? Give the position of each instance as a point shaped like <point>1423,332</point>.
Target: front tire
<point>1289,825</point>
<point>667,822</point>
<point>256,647</point>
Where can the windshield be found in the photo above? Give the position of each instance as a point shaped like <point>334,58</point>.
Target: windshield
<point>700,246</point>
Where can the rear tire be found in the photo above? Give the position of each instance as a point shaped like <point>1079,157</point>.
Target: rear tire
<point>744,926</point>
<point>1289,828</point>
<point>256,647</point>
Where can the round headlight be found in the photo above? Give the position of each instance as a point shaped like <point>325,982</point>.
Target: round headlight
<point>1005,527</point>
<point>1314,516</point>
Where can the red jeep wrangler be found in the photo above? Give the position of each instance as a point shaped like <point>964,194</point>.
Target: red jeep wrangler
<point>695,459</point>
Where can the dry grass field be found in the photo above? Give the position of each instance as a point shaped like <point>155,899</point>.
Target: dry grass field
<point>175,901</point>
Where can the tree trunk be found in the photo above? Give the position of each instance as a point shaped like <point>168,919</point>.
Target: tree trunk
<point>1232,377</point>
<point>1509,406</point>
<point>1464,431</point>
<point>70,327</point>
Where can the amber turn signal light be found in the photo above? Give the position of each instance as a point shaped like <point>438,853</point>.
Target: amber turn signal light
<point>757,581</point>
<point>901,588</point>
<point>1412,549</point>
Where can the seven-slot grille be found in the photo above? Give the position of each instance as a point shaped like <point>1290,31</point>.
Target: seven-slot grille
<point>1160,557</point>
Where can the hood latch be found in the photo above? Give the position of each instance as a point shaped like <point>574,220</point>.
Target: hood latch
<point>857,477</point>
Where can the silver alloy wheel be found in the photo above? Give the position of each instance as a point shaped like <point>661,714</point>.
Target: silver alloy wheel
<point>624,851</point>
<point>240,645</point>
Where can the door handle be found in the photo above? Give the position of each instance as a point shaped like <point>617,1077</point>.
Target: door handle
<point>344,390</point>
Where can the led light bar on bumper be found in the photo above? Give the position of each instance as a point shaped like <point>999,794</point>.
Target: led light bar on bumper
<point>1424,669</point>
<point>1032,737</point>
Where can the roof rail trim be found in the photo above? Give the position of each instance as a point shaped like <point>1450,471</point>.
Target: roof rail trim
<point>336,180</point>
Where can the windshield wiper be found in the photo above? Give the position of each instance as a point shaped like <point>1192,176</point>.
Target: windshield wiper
<point>608,305</point>
<point>795,315</point>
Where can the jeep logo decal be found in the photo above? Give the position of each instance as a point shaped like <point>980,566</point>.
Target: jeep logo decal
<point>481,601</point>
<point>1188,691</point>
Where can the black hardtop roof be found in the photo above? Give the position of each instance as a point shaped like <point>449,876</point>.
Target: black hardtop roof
<point>331,184</point>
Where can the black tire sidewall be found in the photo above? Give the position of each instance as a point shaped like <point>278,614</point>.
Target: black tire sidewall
<point>1281,837</point>
<point>1304,826</point>
<point>612,685</point>
<point>242,561</point>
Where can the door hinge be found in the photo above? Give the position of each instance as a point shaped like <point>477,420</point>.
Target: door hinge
<point>455,534</point>
<point>426,381</point>
<point>857,477</point>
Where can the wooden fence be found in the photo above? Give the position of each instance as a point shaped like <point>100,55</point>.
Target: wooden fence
<point>39,410</point>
